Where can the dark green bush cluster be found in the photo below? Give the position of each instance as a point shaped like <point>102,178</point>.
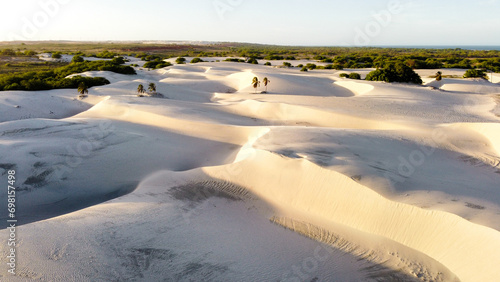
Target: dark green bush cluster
<point>310,66</point>
<point>352,75</point>
<point>106,55</point>
<point>180,60</point>
<point>398,72</point>
<point>43,81</point>
<point>196,60</point>
<point>56,79</point>
<point>56,55</point>
<point>475,73</point>
<point>253,60</point>
<point>77,59</point>
<point>12,53</point>
<point>287,64</point>
<point>157,64</point>
<point>236,60</point>
<point>268,64</point>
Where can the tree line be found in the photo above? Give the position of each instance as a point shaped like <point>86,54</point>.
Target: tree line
<point>56,79</point>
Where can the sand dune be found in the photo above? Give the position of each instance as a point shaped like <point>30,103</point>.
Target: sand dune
<point>320,178</point>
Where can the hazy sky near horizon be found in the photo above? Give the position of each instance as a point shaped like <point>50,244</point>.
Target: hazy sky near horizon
<point>292,22</point>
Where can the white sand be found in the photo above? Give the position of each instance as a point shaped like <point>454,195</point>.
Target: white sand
<point>321,178</point>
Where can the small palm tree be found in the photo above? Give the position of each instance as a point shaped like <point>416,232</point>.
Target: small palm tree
<point>152,88</point>
<point>255,83</point>
<point>83,90</point>
<point>439,76</point>
<point>140,90</point>
<point>266,81</point>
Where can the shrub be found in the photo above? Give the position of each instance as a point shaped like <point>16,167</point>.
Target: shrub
<point>180,60</point>
<point>303,69</point>
<point>29,53</point>
<point>56,79</point>
<point>344,75</point>
<point>196,60</point>
<point>311,66</point>
<point>252,60</point>
<point>106,55</point>
<point>267,64</point>
<point>287,64</point>
<point>354,75</point>
<point>157,64</point>
<point>118,61</point>
<point>398,72</point>
<point>56,55</point>
<point>77,59</point>
<point>300,65</point>
<point>475,73</point>
<point>236,60</point>
<point>273,57</point>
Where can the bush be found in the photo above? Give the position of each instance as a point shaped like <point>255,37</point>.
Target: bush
<point>77,59</point>
<point>196,60</point>
<point>354,75</point>
<point>287,64</point>
<point>267,64</point>
<point>273,57</point>
<point>180,60</point>
<point>303,69</point>
<point>118,61</point>
<point>475,73</point>
<point>106,55</point>
<point>344,75</point>
<point>252,61</point>
<point>311,66</point>
<point>236,60</point>
<point>7,52</point>
<point>56,55</point>
<point>398,72</point>
<point>157,64</point>
<point>56,79</point>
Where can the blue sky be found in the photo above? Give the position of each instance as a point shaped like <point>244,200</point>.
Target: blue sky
<point>293,22</point>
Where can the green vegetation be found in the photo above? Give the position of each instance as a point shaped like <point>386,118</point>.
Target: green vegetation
<point>287,64</point>
<point>236,60</point>
<point>439,76</point>
<point>252,61</point>
<point>354,75</point>
<point>56,78</point>
<point>397,72</point>
<point>180,60</point>
<point>83,90</point>
<point>56,55</point>
<point>255,83</point>
<point>140,90</point>
<point>152,88</point>
<point>196,60</point>
<point>310,66</point>
<point>475,73</point>
<point>304,69</point>
<point>268,64</point>
<point>105,55</point>
<point>157,64</point>
<point>77,59</point>
<point>266,81</point>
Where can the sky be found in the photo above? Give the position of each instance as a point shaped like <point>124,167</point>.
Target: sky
<point>290,22</point>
